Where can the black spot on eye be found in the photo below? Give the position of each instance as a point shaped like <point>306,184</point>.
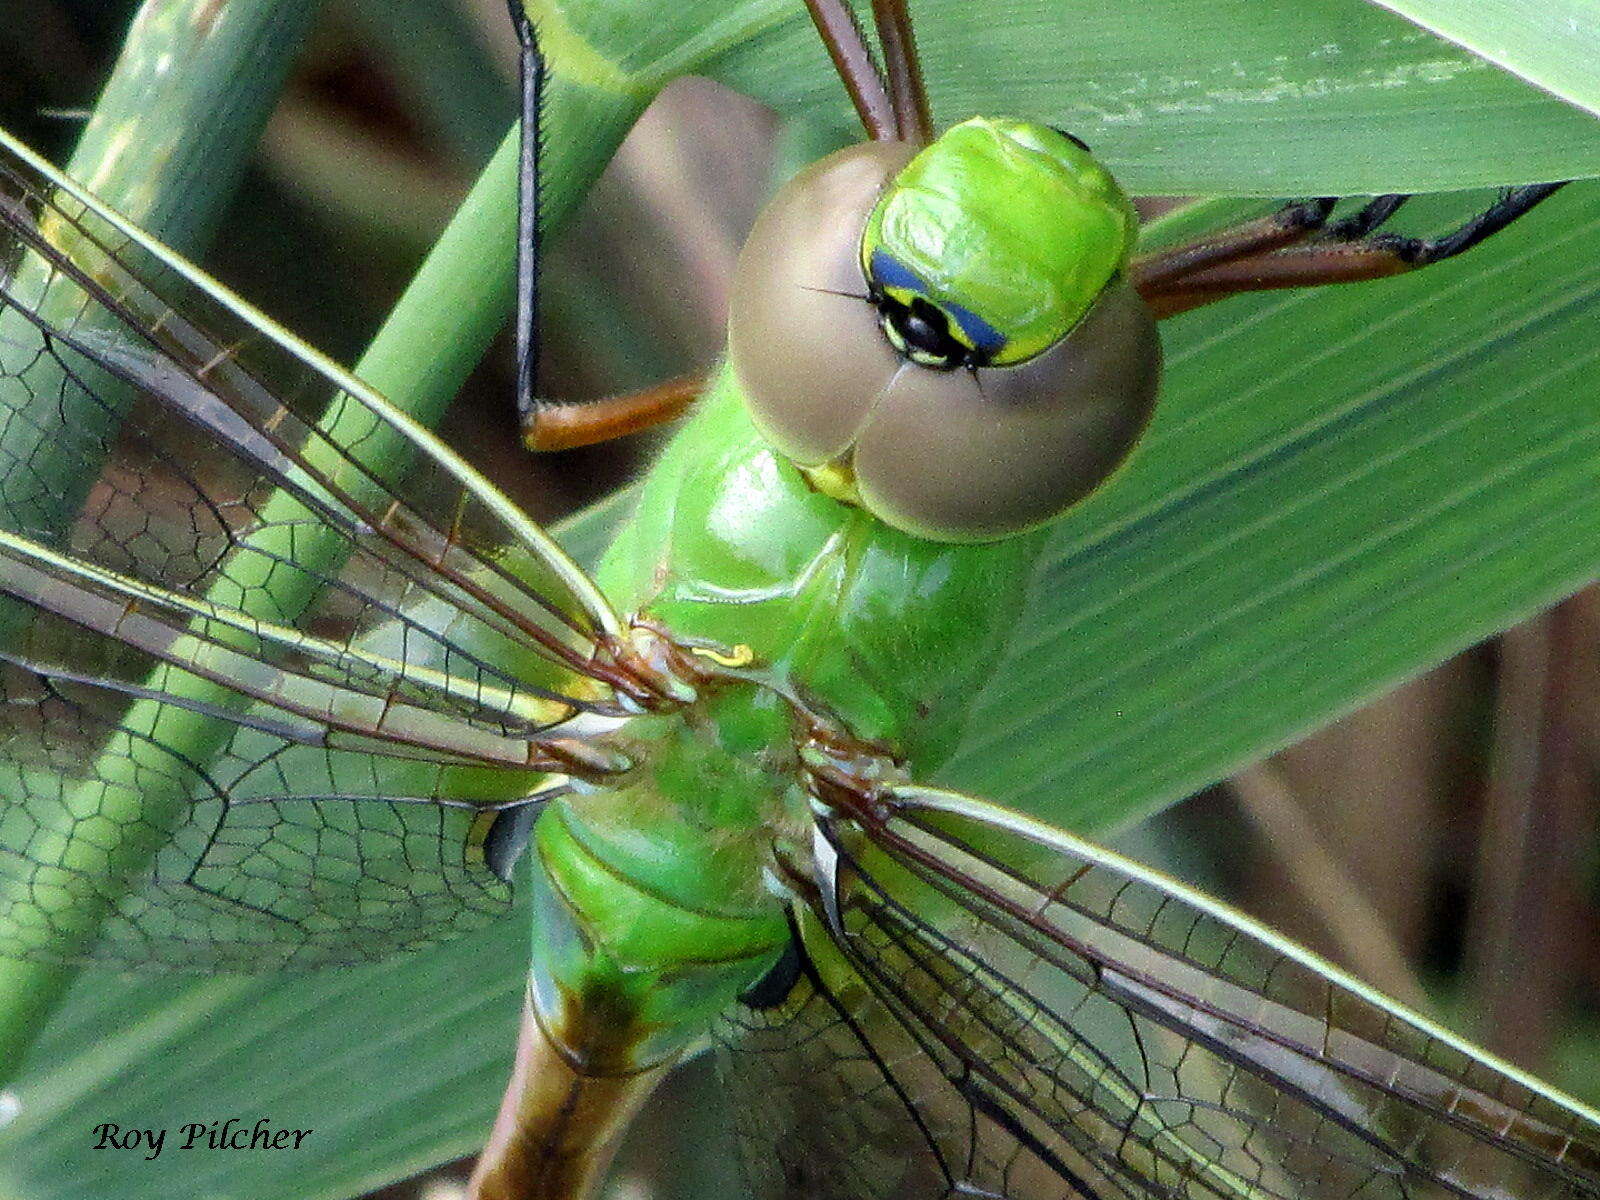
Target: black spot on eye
<point>925,326</point>
<point>1076,141</point>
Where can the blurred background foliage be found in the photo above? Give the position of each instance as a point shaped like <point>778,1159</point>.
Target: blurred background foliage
<point>378,136</point>
<point>1445,833</point>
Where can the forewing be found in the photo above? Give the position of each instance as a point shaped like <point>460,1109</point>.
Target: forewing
<point>1043,1018</point>
<point>264,643</point>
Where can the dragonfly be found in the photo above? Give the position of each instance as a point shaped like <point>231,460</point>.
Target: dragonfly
<point>288,683</point>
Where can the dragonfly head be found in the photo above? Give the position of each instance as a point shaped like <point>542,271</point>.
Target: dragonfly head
<point>946,337</point>
<point>990,245</point>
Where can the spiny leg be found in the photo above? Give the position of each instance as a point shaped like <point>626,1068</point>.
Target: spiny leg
<point>549,424</point>
<point>552,425</point>
<point>904,113</point>
<point>1513,203</point>
<point>852,58</point>
<point>532,71</point>
<point>1152,273</point>
<point>1366,219</point>
<point>1345,252</point>
<point>907,92</point>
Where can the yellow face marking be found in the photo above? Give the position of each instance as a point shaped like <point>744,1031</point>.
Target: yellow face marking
<point>836,480</point>
<point>739,656</point>
<point>904,296</point>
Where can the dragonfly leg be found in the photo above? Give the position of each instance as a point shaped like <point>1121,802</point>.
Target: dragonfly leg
<point>1154,273</point>
<point>550,424</point>
<point>532,65</point>
<point>565,425</point>
<point>1345,251</point>
<point>852,58</point>
<point>908,95</point>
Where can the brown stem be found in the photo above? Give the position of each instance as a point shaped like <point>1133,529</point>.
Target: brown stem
<point>1528,897</point>
<point>1357,929</point>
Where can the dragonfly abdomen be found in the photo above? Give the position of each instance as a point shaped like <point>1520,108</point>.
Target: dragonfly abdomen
<point>653,911</point>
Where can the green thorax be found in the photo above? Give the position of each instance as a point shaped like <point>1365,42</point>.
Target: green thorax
<point>1008,227</point>
<point>654,907</point>
<point>892,633</point>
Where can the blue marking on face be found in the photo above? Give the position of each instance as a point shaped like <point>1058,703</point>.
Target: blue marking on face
<point>984,336</point>
<point>887,271</point>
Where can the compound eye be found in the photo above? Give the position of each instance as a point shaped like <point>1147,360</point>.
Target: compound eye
<point>948,455</point>
<point>967,456</point>
<point>803,335</point>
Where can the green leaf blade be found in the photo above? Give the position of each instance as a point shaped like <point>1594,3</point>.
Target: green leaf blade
<point>1554,45</point>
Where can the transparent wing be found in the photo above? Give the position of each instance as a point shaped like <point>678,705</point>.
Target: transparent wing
<point>271,658</point>
<point>833,1098</point>
<point>999,1009</point>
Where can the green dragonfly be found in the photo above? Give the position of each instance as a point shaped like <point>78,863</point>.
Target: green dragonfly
<point>411,696</point>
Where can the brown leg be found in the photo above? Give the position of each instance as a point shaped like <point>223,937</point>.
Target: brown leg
<point>547,425</point>
<point>907,92</point>
<point>1345,252</point>
<point>1154,273</point>
<point>557,425</point>
<point>1299,266</point>
<point>852,58</point>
